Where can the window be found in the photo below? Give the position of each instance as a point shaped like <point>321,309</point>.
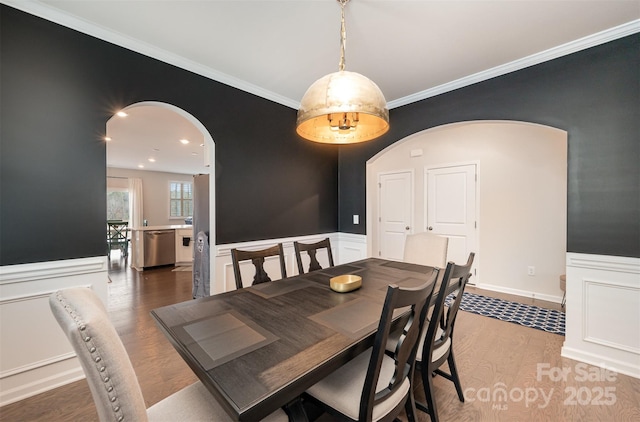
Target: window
<point>117,204</point>
<point>181,199</point>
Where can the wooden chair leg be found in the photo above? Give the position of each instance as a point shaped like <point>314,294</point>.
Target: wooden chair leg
<point>431,401</point>
<point>454,375</point>
<point>410,407</point>
<point>430,407</point>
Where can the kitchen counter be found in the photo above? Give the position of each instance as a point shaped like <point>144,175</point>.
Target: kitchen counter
<point>167,227</point>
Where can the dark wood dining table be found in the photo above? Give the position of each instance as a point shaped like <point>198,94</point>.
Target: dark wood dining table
<point>258,348</point>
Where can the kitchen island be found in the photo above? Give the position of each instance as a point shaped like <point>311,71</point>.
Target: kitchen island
<point>161,245</point>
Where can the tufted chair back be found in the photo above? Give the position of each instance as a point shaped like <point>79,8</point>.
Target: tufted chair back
<point>105,362</point>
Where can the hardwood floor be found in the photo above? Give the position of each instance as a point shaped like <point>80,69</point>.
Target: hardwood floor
<point>493,357</point>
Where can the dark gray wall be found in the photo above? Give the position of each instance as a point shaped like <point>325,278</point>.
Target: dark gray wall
<point>58,88</point>
<point>594,95</point>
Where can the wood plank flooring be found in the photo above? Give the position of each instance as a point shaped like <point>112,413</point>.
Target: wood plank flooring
<point>502,365</point>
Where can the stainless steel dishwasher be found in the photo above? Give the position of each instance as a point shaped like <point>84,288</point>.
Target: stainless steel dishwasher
<point>159,247</point>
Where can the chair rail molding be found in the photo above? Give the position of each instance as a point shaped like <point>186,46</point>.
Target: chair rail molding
<point>27,367</point>
<point>603,312</point>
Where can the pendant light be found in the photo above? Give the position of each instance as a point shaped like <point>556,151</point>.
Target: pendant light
<point>342,107</point>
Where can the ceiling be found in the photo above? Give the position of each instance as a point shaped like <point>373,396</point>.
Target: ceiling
<point>148,139</point>
<point>276,49</point>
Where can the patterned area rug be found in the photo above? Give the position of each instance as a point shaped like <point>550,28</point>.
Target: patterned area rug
<point>549,320</point>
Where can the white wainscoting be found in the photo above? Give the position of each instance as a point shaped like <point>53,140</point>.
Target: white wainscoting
<point>36,355</point>
<point>603,312</point>
<point>351,247</point>
<point>345,248</point>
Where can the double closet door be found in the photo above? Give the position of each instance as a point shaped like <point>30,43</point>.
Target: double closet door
<point>442,201</point>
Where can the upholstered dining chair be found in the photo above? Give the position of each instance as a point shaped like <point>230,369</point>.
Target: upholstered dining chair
<point>312,249</point>
<point>426,249</point>
<point>374,386</point>
<point>436,346</point>
<point>257,258</point>
<point>109,372</point>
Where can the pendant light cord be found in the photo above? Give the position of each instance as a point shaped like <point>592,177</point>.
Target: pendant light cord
<point>343,36</point>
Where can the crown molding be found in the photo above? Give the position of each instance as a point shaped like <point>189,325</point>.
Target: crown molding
<point>51,14</point>
<point>534,59</point>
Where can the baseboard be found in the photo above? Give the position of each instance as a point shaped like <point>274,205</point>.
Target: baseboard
<point>36,379</point>
<point>518,292</point>
<point>615,365</point>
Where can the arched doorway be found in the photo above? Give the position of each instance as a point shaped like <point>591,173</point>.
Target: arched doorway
<point>521,197</point>
<point>149,139</point>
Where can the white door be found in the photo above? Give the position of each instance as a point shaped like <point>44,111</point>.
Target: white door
<point>396,206</point>
<point>451,209</point>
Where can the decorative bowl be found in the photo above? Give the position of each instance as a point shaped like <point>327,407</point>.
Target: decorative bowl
<point>345,283</point>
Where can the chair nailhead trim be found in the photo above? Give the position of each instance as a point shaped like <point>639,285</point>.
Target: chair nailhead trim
<point>82,327</point>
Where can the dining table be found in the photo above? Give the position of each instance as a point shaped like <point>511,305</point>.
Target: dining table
<point>258,348</point>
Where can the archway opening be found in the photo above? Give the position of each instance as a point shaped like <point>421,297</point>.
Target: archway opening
<point>166,141</point>
<point>521,198</point>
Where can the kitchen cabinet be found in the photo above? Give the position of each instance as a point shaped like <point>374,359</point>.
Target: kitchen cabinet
<point>184,246</point>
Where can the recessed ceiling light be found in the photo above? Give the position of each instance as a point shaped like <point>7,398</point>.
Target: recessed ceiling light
<point>194,153</point>
<point>121,114</point>
<point>106,138</point>
<point>140,166</point>
<point>152,160</point>
<point>184,141</point>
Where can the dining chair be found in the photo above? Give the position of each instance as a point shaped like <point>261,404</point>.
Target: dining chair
<point>311,249</point>
<point>374,386</point>
<point>436,346</point>
<point>110,374</point>
<point>257,258</point>
<point>426,249</point>
<point>118,237</point>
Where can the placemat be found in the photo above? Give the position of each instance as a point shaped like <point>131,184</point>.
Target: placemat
<point>218,339</point>
<point>353,319</point>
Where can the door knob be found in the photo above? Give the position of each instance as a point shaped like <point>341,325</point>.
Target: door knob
<point>406,228</point>
<point>429,228</point>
